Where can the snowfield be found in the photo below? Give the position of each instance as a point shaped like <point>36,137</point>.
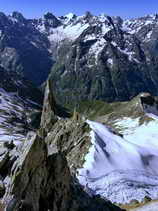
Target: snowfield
<point>122,169</point>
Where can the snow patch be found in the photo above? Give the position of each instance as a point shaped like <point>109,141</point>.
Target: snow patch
<point>110,61</point>
<point>69,17</point>
<point>97,47</point>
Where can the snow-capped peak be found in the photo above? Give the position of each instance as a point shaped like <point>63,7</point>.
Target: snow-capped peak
<point>70,15</point>
<point>102,17</point>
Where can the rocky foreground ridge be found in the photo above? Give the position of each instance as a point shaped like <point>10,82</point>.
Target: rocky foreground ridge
<point>37,174</point>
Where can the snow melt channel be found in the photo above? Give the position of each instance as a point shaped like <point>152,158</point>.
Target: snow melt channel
<point>117,169</point>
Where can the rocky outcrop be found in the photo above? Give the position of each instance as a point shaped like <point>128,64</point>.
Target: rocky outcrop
<point>147,99</point>
<point>72,139</point>
<point>149,103</point>
<point>40,181</point>
<point>49,108</point>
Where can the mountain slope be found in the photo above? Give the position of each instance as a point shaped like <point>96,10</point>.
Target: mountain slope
<point>120,169</point>
<point>108,58</point>
<point>18,99</point>
<point>24,49</point>
<point>121,164</point>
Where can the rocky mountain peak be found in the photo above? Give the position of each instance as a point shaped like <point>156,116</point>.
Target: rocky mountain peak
<point>88,15</point>
<point>118,21</point>
<point>68,18</point>
<point>36,174</point>
<point>49,15</point>
<point>51,21</point>
<point>18,16</point>
<point>49,109</point>
<point>2,15</point>
<point>21,45</point>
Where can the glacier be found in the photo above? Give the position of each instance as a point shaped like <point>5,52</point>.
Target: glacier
<point>122,169</point>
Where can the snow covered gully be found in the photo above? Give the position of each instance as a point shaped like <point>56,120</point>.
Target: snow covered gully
<point>120,170</point>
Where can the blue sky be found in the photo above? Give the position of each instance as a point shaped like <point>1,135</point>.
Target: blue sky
<point>123,8</point>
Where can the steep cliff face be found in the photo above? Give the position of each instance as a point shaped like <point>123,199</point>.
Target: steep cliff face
<point>24,49</point>
<point>49,117</point>
<point>39,181</point>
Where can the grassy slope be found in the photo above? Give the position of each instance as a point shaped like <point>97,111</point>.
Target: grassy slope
<point>110,113</point>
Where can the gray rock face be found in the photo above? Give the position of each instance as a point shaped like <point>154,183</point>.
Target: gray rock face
<point>49,108</point>
<point>39,176</point>
<point>51,21</point>
<point>149,104</point>
<point>40,181</point>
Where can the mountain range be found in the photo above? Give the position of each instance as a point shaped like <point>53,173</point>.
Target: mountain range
<point>78,112</point>
<point>88,57</point>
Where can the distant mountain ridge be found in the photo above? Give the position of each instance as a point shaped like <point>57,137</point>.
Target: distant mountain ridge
<point>92,57</point>
<point>107,57</point>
